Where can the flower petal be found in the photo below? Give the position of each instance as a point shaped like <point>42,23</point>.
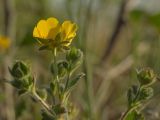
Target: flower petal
<point>68,31</point>
<point>52,22</point>
<point>36,33</point>
<point>53,26</point>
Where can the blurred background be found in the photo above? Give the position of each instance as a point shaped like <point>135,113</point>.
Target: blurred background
<point>116,36</point>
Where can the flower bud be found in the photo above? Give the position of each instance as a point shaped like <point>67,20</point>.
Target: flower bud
<point>146,76</point>
<point>62,68</point>
<point>22,78</point>
<point>19,70</point>
<point>74,54</point>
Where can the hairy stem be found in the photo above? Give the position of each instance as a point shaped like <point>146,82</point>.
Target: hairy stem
<point>123,117</point>
<point>56,70</point>
<point>42,102</point>
<point>68,77</point>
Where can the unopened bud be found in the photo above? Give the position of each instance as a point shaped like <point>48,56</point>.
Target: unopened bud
<point>146,76</point>
<point>19,70</point>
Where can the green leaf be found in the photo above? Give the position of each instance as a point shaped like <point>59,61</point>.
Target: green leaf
<point>16,83</point>
<point>73,54</point>
<point>52,87</point>
<point>54,69</point>
<point>43,41</point>
<point>130,97</point>
<point>75,80</point>
<point>134,115</point>
<point>131,94</point>
<point>62,68</point>
<point>74,58</point>
<point>135,89</point>
<point>44,47</point>
<point>19,69</point>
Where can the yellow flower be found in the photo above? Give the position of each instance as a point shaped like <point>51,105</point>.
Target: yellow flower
<point>68,32</point>
<point>4,43</point>
<point>53,35</point>
<point>46,29</point>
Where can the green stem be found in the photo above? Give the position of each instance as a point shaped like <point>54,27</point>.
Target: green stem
<point>34,94</point>
<point>68,77</point>
<point>56,69</point>
<point>39,99</point>
<point>123,117</point>
<point>43,103</point>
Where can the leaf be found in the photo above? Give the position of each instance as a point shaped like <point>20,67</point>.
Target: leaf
<point>75,80</point>
<point>44,47</point>
<point>43,41</point>
<point>52,87</point>
<point>130,97</point>
<point>131,94</point>
<point>135,89</point>
<point>65,42</point>
<point>74,58</point>
<point>62,67</point>
<point>16,83</point>
<point>134,115</point>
